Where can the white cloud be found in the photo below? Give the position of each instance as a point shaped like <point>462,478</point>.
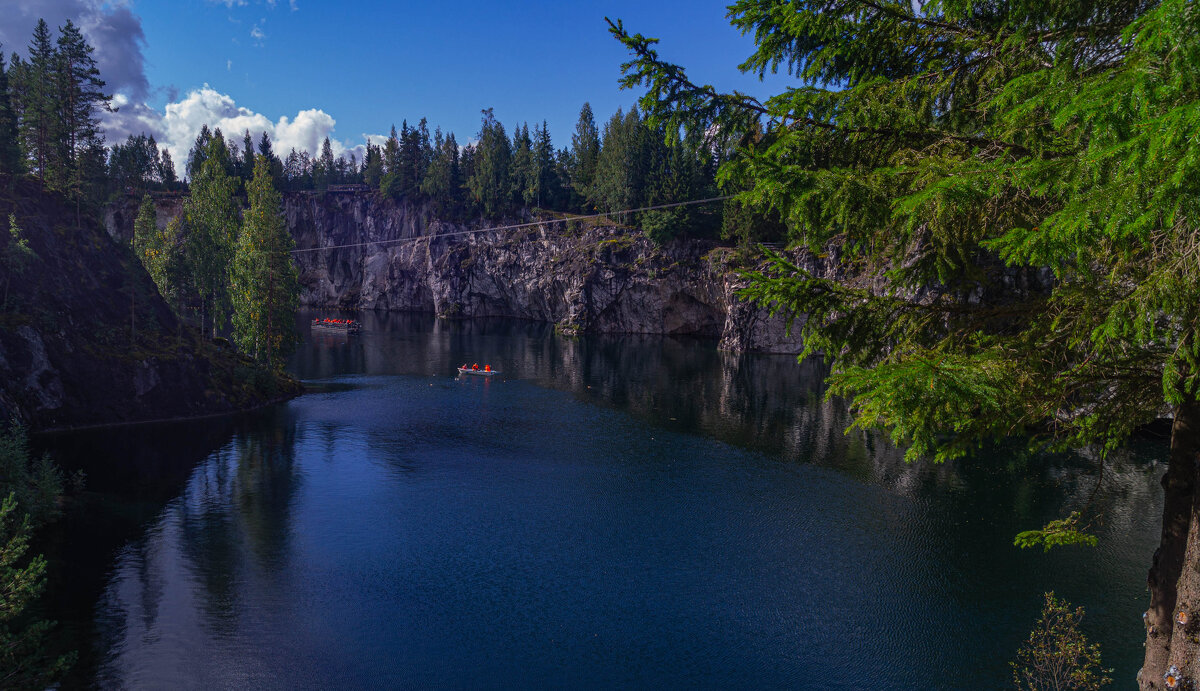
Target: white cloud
<point>179,123</point>
<point>257,34</point>
<point>229,65</point>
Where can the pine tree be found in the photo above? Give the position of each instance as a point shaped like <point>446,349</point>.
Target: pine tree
<point>947,150</point>
<point>10,147</point>
<point>265,287</point>
<point>80,93</point>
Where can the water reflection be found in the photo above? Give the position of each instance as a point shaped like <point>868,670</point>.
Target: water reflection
<point>611,511</point>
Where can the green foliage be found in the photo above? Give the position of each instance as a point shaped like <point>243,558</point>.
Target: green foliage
<point>1059,532</point>
<point>265,288</point>
<point>15,257</point>
<point>10,148</point>
<point>489,181</point>
<point>1008,197</point>
<point>24,659</point>
<point>35,482</point>
<point>1057,655</point>
<point>211,216</point>
<point>585,151</point>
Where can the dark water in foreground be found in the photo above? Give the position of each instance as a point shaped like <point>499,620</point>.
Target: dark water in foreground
<point>617,512</point>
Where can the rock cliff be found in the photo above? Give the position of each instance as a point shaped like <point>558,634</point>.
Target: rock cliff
<point>362,251</point>
<point>85,339</point>
<point>585,278</point>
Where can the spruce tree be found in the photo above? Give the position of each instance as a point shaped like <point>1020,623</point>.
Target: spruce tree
<point>198,152</point>
<point>10,147</point>
<point>391,182</point>
<point>491,160</point>
<point>324,168</point>
<point>947,151</point>
<point>40,113</point>
<point>265,288</point>
<point>166,170</point>
<point>247,169</point>
<point>372,172</point>
<point>544,177</point>
<point>617,183</point>
<point>522,171</point>
<point>585,151</point>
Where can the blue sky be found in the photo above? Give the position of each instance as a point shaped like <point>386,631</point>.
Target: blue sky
<point>351,69</point>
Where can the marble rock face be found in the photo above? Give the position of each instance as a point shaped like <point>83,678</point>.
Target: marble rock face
<point>379,254</point>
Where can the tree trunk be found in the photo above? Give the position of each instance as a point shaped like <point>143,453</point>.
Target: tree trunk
<point>1174,578</point>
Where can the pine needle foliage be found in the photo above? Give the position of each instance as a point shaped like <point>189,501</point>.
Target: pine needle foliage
<point>1008,194</point>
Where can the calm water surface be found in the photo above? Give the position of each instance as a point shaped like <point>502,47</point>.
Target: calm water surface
<point>608,512</point>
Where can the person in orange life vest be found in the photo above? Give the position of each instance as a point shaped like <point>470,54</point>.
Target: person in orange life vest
<point>475,366</point>
<point>487,368</point>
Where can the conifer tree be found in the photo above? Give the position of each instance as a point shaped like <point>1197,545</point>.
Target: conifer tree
<point>198,152</point>
<point>617,183</point>
<point>40,115</point>
<point>324,168</point>
<point>80,93</point>
<point>585,151</point>
<point>491,160</point>
<point>10,147</point>
<point>391,183</point>
<point>522,171</point>
<point>166,170</point>
<point>265,148</point>
<point>24,659</point>
<point>372,166</point>
<point>948,151</point>
<point>264,282</point>
<point>247,169</point>
<point>544,177</point>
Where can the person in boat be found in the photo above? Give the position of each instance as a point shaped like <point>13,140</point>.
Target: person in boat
<point>475,366</point>
<point>487,368</point>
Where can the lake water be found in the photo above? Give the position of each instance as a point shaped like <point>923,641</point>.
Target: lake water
<point>606,512</point>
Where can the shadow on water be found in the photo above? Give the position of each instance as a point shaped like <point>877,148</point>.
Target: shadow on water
<point>394,484</point>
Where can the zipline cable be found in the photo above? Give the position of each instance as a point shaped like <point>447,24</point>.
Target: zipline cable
<point>517,226</point>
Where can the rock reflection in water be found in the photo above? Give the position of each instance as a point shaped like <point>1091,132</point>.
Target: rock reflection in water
<point>610,510</point>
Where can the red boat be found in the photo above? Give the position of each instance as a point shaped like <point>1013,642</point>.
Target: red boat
<point>336,325</point>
